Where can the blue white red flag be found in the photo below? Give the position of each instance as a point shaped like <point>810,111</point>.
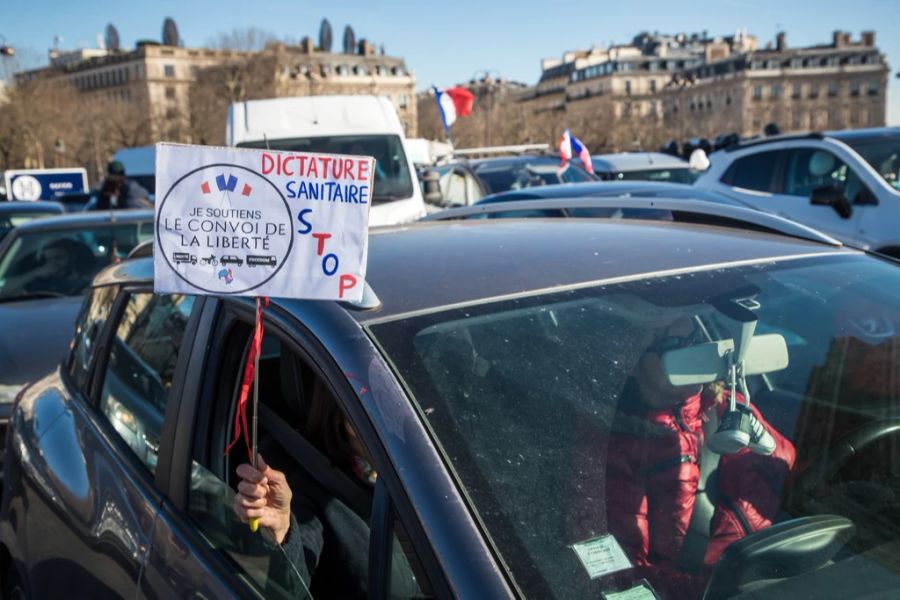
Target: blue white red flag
<point>452,103</point>
<point>570,146</point>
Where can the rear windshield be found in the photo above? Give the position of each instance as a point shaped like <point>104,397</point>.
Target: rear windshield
<point>884,156</point>
<point>392,177</point>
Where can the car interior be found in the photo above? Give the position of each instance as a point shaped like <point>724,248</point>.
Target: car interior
<point>291,392</point>
<point>496,383</point>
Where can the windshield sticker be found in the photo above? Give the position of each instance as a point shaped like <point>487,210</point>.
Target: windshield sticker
<point>642,591</point>
<point>601,556</point>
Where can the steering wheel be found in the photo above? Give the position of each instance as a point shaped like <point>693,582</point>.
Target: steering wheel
<point>842,451</point>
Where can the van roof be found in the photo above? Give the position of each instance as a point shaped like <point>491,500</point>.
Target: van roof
<point>311,116</point>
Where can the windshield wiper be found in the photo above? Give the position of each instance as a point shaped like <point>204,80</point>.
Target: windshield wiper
<point>32,296</point>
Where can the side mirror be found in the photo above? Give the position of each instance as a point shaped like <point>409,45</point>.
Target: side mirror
<point>833,196</point>
<point>432,181</point>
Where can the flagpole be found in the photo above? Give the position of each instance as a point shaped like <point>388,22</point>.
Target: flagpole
<point>254,522</point>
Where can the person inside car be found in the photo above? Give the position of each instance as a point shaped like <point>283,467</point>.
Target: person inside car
<point>66,269</point>
<point>653,471</point>
<point>325,540</point>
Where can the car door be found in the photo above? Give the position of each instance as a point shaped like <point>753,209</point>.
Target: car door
<point>808,170</point>
<point>751,179</point>
<point>201,548</point>
<point>83,496</point>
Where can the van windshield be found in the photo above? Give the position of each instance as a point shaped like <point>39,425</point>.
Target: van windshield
<point>392,176</point>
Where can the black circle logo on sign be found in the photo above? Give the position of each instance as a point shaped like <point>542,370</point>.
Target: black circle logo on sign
<point>231,231</point>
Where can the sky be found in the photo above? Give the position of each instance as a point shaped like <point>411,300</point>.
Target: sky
<point>448,43</point>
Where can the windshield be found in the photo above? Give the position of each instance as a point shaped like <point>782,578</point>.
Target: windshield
<point>669,175</point>
<point>884,156</point>
<point>392,177</point>
<point>502,177</point>
<point>63,262</point>
<point>592,472</point>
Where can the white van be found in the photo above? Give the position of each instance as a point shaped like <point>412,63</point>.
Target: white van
<point>363,125</point>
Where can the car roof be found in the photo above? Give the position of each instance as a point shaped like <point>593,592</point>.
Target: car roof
<point>427,266</point>
<point>38,206</point>
<point>86,219</point>
<point>503,161</point>
<point>610,188</point>
<point>870,133</point>
<point>637,161</point>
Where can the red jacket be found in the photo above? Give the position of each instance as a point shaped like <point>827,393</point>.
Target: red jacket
<point>650,482</point>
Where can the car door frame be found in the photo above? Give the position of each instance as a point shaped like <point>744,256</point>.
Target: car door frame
<point>389,498</point>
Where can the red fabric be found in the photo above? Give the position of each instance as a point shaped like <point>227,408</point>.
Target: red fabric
<point>463,100</point>
<point>240,418</point>
<point>649,488</point>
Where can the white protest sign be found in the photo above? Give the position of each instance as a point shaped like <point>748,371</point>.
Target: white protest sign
<point>261,223</point>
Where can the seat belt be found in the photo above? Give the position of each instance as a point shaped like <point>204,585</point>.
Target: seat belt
<point>332,480</point>
<point>693,551</point>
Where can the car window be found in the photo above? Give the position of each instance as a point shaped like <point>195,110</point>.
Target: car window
<point>670,175</point>
<point>305,437</point>
<point>88,326</point>
<point>454,189</point>
<point>63,262</point>
<point>753,172</point>
<point>809,169</point>
<point>589,468</point>
<point>140,369</point>
<point>535,213</point>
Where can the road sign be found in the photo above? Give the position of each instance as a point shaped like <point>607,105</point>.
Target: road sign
<point>44,184</point>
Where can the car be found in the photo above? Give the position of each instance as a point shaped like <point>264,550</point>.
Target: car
<point>46,266</point>
<point>465,182</point>
<point>488,378</point>
<point>14,213</point>
<point>612,189</point>
<point>846,183</point>
<point>260,261</point>
<point>642,166</point>
<point>230,259</point>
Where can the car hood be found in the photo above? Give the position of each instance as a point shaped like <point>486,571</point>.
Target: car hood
<point>35,336</point>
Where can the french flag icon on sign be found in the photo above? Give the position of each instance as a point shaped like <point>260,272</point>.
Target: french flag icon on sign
<point>226,183</point>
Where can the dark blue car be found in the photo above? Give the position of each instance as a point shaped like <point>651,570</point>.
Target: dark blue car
<point>493,386</point>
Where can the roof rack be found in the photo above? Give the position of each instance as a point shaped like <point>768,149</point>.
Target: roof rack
<point>787,137</point>
<point>699,212</point>
<point>514,149</point>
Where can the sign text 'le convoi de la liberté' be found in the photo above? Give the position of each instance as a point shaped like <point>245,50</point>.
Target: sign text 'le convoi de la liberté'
<point>261,223</point>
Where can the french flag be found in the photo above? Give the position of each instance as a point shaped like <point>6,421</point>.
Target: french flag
<point>453,102</point>
<point>569,146</point>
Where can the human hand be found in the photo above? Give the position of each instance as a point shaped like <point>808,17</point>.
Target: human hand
<point>264,493</point>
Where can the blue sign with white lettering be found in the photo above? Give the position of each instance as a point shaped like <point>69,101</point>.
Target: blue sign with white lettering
<point>44,184</point>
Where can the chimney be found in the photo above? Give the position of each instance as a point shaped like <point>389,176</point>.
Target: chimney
<point>780,44</point>
<point>868,38</point>
<point>306,46</point>
<point>366,48</point>
<point>837,39</point>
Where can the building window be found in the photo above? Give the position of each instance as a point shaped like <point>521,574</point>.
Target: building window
<point>402,101</point>
<point>814,90</point>
<point>627,87</point>
<point>727,100</point>
<point>195,71</point>
<point>775,91</point>
<point>874,88</point>
<point>169,70</point>
<point>171,114</point>
<point>170,92</point>
<point>652,86</point>
<point>795,91</point>
<point>854,88</point>
<point>832,89</point>
<point>757,92</point>
<point>796,63</point>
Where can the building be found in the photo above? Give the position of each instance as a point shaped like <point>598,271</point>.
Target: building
<point>677,86</point>
<point>182,93</point>
<point>834,86</point>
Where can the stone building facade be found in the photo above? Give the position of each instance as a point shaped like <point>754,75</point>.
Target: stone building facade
<point>661,87</point>
<point>162,84</point>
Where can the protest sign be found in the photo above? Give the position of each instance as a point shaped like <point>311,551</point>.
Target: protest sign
<point>261,223</point>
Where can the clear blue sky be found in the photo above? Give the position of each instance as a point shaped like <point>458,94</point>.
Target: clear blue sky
<point>448,43</point>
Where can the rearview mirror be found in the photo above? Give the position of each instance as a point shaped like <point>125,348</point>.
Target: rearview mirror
<point>708,362</point>
<point>833,196</point>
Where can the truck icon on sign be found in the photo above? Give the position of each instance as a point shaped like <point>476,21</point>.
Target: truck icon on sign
<point>184,258</point>
<point>260,261</point>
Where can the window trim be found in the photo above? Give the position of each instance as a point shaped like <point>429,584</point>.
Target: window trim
<point>305,345</point>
